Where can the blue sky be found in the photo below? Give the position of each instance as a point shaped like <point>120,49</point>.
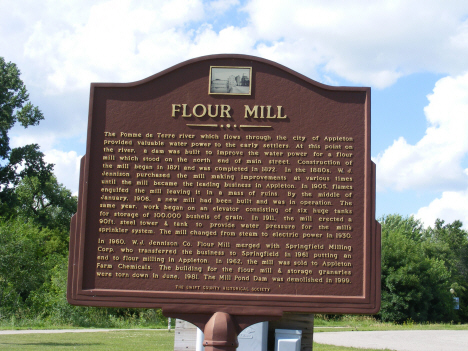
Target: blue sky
<point>413,54</point>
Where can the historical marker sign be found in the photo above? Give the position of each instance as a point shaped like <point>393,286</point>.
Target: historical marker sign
<point>223,183</point>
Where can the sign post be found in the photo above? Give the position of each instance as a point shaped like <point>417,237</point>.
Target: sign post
<point>227,190</point>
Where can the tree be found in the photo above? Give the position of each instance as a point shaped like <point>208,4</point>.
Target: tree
<point>48,204</point>
<point>35,210</point>
<point>22,263</point>
<point>17,163</point>
<point>414,285</point>
<point>449,242</point>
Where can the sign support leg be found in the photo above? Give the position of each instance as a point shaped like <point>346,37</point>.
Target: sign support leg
<point>221,333</point>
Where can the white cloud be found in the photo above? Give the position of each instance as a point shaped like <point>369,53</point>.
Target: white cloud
<point>63,46</point>
<point>110,42</point>
<point>208,41</point>
<point>66,164</point>
<point>435,162</point>
<point>221,6</point>
<point>450,206</point>
<point>66,167</point>
<point>21,138</point>
<point>370,43</point>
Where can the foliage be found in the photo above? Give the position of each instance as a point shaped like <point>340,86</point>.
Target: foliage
<point>35,213</point>
<point>50,301</point>
<point>33,283</point>
<point>449,242</point>
<point>23,264</point>
<point>20,162</point>
<point>419,267</point>
<point>49,204</point>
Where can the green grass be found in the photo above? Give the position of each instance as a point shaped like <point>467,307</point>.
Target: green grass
<point>323,347</point>
<point>141,340</point>
<point>162,340</point>
<point>367,323</point>
<point>104,321</point>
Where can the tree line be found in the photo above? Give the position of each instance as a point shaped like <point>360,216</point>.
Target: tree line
<point>423,269</point>
<point>35,213</point>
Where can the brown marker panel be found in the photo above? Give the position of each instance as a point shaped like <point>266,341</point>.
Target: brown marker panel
<point>227,201</point>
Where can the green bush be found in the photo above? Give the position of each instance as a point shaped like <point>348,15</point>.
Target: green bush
<point>23,265</point>
<point>416,276</point>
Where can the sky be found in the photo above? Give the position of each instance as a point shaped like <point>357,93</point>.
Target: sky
<point>413,54</point>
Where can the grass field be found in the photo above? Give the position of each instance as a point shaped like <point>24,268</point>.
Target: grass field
<point>321,347</point>
<point>367,323</point>
<point>162,340</point>
<point>140,340</point>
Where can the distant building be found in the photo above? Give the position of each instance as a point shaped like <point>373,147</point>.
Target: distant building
<point>245,80</point>
<point>231,83</point>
